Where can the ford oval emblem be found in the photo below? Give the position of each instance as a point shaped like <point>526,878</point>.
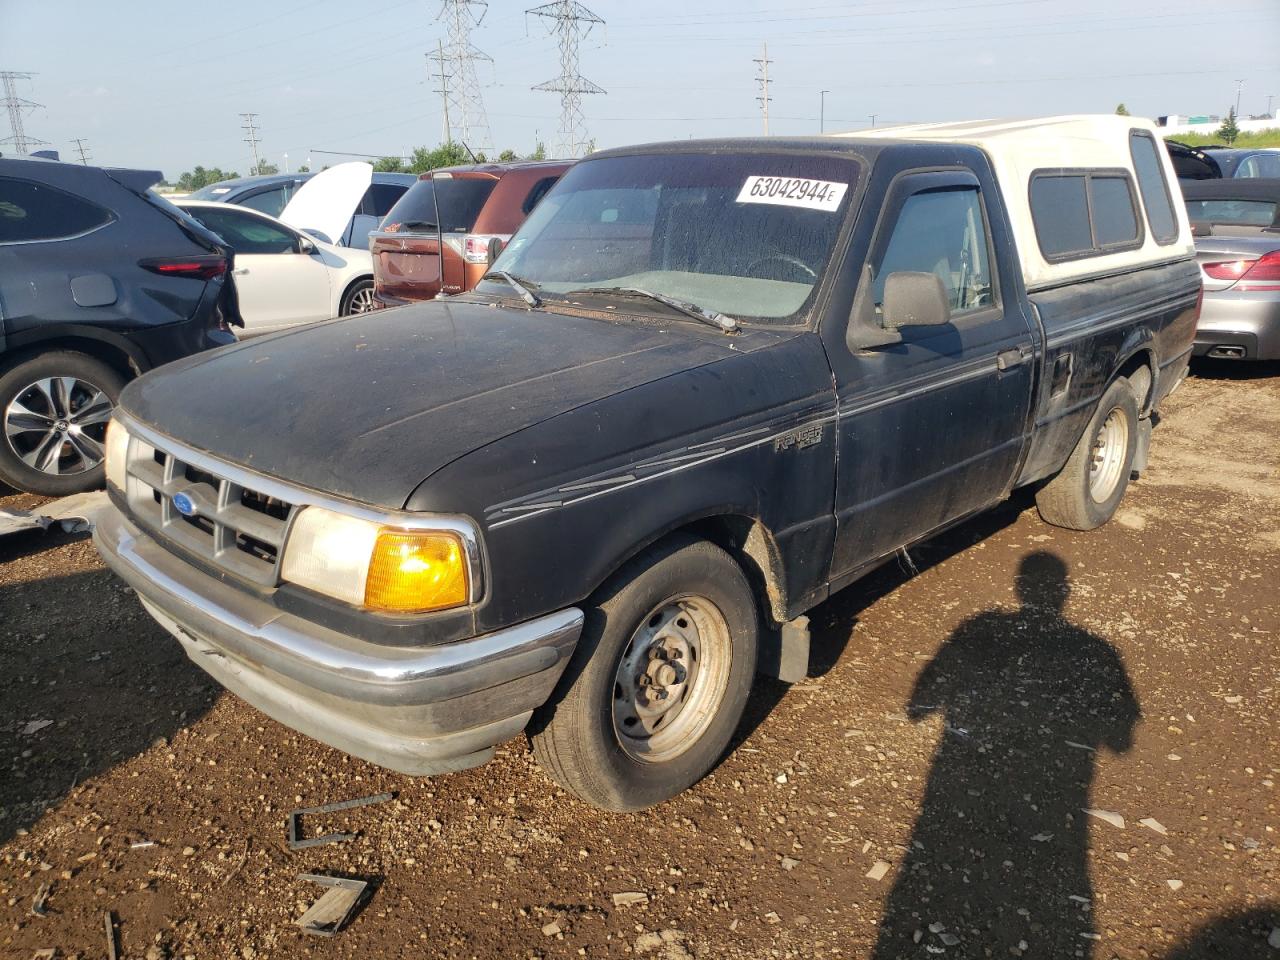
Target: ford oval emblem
<point>184,505</point>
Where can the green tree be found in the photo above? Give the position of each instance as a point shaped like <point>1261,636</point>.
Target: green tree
<point>304,169</point>
<point>507,156</point>
<point>1122,111</point>
<point>388,165</point>
<point>1229,130</point>
<point>264,169</point>
<point>539,152</point>
<point>199,177</point>
<point>446,155</point>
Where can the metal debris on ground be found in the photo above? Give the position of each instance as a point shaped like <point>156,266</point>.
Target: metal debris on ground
<point>39,900</point>
<point>629,898</point>
<point>75,514</point>
<point>336,905</point>
<point>109,921</point>
<point>878,871</point>
<point>1108,816</point>
<point>1151,823</point>
<point>294,822</point>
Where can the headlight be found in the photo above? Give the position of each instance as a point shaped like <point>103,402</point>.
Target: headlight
<point>376,566</point>
<point>117,453</point>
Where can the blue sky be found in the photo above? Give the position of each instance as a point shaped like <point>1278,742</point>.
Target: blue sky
<point>157,85</point>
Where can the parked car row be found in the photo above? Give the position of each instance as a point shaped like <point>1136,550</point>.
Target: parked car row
<point>705,385</point>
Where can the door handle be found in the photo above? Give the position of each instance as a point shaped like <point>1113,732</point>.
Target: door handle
<point>1008,359</point>
<point>239,271</point>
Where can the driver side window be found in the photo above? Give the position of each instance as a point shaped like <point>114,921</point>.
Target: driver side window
<point>941,232</point>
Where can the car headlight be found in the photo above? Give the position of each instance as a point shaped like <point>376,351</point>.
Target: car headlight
<point>117,446</point>
<point>375,565</point>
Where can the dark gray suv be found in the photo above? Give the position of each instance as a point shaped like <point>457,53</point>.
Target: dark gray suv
<point>100,280</point>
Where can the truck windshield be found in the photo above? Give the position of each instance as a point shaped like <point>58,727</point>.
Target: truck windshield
<point>745,235</point>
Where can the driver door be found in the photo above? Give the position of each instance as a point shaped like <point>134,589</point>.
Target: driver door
<point>932,428</point>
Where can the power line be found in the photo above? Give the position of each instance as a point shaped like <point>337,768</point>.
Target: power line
<point>762,78</point>
<point>82,148</point>
<point>469,118</point>
<point>250,128</point>
<point>442,76</point>
<point>568,18</point>
<point>16,107</point>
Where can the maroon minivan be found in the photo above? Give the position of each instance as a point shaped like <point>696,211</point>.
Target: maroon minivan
<point>436,239</point>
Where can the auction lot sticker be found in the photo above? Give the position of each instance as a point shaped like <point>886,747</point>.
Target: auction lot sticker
<point>793,192</point>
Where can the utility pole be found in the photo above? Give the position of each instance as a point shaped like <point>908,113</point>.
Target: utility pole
<point>83,149</point>
<point>1239,87</point>
<point>461,17</point>
<point>571,22</point>
<point>822,110</point>
<point>1270,97</point>
<point>250,128</point>
<point>16,107</point>
<point>442,76</point>
<point>762,78</point>
<point>873,120</point>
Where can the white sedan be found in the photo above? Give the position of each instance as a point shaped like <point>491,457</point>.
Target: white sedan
<point>283,276</point>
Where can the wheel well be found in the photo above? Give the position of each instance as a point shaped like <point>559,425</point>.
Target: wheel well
<point>107,353</point>
<point>1140,371</point>
<point>363,278</point>
<point>749,542</point>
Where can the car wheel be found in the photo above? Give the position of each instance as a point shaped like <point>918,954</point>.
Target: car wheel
<point>658,681</point>
<point>54,409</point>
<point>1087,491</point>
<point>357,299</point>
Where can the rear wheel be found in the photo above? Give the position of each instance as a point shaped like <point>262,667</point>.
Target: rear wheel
<point>1087,491</point>
<point>54,408</point>
<point>658,681</point>
<point>357,299</point>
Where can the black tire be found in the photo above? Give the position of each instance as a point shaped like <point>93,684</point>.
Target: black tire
<point>576,736</point>
<point>1071,499</point>
<point>359,292</point>
<point>15,381</point>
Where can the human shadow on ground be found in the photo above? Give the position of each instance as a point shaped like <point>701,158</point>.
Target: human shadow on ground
<point>87,680</point>
<point>997,860</point>
<point>1253,933</point>
<point>832,622</point>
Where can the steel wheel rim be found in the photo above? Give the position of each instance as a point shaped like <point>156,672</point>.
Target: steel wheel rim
<point>361,301</point>
<point>1106,458</point>
<point>58,425</point>
<point>671,679</point>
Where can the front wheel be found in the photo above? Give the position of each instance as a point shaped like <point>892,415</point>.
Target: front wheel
<point>358,299</point>
<point>1087,491</point>
<point>658,682</point>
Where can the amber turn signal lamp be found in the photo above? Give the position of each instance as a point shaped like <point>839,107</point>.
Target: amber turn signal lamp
<point>413,572</point>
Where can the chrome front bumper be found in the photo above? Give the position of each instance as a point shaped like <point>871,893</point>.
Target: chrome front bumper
<point>418,710</point>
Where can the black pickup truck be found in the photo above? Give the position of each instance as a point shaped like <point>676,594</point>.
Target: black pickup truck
<point>706,385</point>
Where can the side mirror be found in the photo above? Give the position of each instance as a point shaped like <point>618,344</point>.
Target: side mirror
<point>914,299</point>
<point>495,249</point>
<point>910,299</point>
<point>306,245</point>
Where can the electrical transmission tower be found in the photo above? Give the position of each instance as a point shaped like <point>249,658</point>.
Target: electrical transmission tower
<point>251,138</point>
<point>464,104</point>
<point>17,106</point>
<point>762,78</point>
<point>571,22</point>
<point>82,148</point>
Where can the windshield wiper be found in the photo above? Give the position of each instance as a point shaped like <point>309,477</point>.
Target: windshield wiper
<point>517,285</point>
<point>716,319</point>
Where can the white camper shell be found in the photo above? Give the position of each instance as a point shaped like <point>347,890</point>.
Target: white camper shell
<point>1043,165</point>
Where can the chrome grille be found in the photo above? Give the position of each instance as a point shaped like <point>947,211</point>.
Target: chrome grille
<point>233,526</point>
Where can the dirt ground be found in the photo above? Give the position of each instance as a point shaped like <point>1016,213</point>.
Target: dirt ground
<point>923,793</point>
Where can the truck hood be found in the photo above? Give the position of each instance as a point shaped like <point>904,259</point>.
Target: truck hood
<point>369,406</point>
